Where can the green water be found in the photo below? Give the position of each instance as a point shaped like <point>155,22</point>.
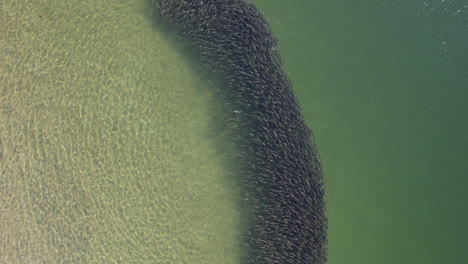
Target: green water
<point>107,152</point>
<point>383,84</point>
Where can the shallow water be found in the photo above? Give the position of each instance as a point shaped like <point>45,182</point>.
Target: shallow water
<point>383,84</point>
<point>107,151</point>
<point>107,143</point>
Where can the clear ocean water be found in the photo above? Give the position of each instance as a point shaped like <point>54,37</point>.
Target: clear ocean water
<point>111,142</point>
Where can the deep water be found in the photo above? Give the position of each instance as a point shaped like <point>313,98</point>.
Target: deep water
<point>383,84</point>
<point>110,139</point>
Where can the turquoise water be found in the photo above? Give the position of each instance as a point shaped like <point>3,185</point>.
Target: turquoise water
<point>383,84</point>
